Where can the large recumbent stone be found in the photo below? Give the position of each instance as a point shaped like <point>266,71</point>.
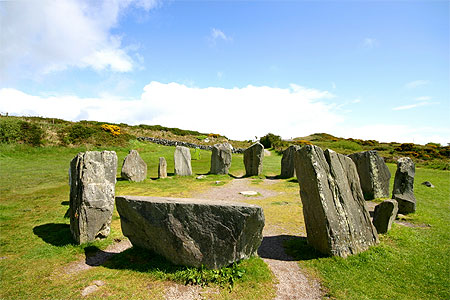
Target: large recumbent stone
<point>192,232</point>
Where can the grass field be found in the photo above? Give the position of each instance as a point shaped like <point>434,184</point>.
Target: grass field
<point>36,246</point>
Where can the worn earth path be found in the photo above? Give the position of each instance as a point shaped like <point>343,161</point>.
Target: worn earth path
<point>293,282</point>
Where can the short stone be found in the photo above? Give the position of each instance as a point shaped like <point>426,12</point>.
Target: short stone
<point>221,158</point>
<point>218,182</point>
<point>384,214</point>
<point>287,162</point>
<point>200,177</point>
<point>192,232</point>
<point>89,290</point>
<point>337,221</point>
<point>248,193</point>
<point>92,188</point>
<point>403,190</point>
<point>253,159</point>
<point>373,174</point>
<point>182,159</point>
<point>134,167</point>
<point>428,184</point>
<point>162,168</point>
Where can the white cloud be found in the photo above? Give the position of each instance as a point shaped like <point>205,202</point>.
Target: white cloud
<point>217,34</point>
<point>370,42</point>
<point>416,83</point>
<point>423,98</point>
<point>410,106</point>
<point>356,101</point>
<point>39,37</point>
<point>239,113</point>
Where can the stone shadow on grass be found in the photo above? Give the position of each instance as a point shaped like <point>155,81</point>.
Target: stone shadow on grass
<point>298,248</point>
<point>55,234</point>
<point>134,258</point>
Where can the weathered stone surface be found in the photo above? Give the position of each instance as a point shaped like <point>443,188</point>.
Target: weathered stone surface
<point>162,168</point>
<point>384,214</point>
<point>403,190</point>
<point>287,162</point>
<point>253,159</point>
<point>221,158</point>
<point>373,174</point>
<point>134,167</point>
<point>337,221</point>
<point>182,158</point>
<point>192,232</point>
<point>92,179</point>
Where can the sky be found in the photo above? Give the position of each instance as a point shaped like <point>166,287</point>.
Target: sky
<point>362,69</point>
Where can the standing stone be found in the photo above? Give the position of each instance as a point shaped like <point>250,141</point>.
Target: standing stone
<point>337,221</point>
<point>92,188</point>
<point>162,168</point>
<point>253,159</point>
<point>403,190</point>
<point>134,167</point>
<point>192,232</point>
<point>287,162</point>
<point>373,174</point>
<point>221,158</point>
<point>384,215</point>
<point>182,158</point>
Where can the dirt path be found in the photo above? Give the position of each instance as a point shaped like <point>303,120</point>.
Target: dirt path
<point>293,283</point>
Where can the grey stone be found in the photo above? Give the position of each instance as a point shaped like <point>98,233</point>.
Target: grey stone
<point>287,162</point>
<point>403,190</point>
<point>192,232</point>
<point>221,158</point>
<point>162,168</point>
<point>134,167</point>
<point>336,218</point>
<point>428,184</point>
<point>92,189</point>
<point>253,159</point>
<point>182,159</point>
<point>384,214</point>
<point>373,174</point>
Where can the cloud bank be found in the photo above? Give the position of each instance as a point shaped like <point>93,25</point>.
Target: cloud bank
<point>46,36</point>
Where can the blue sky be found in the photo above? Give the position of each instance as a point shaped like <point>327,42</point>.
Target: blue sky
<point>362,69</point>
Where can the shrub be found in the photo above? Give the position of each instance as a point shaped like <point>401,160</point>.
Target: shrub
<point>345,144</point>
<point>214,135</point>
<point>269,139</point>
<point>405,147</point>
<point>113,129</point>
<point>31,133</point>
<point>75,134</point>
<point>9,130</point>
<point>302,142</point>
<point>15,130</point>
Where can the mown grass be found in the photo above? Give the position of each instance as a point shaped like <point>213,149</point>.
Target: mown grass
<point>409,263</point>
<point>36,245</point>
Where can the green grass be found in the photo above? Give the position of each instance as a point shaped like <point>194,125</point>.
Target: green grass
<point>36,245</point>
<point>409,263</point>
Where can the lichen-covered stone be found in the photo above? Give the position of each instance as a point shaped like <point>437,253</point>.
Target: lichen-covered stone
<point>373,174</point>
<point>92,178</point>
<point>192,232</point>
<point>253,159</point>
<point>337,221</point>
<point>403,190</point>
<point>287,162</point>
<point>134,167</point>
<point>182,159</point>
<point>162,168</point>
<point>221,158</point>
<point>384,215</point>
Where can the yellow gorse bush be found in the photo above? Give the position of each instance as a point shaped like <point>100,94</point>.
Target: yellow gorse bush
<point>114,129</point>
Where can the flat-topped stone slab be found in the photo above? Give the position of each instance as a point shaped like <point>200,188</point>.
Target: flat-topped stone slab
<point>192,232</point>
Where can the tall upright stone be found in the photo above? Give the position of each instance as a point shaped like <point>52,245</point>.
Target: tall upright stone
<point>253,159</point>
<point>162,168</point>
<point>92,178</point>
<point>373,174</point>
<point>336,218</point>
<point>182,158</point>
<point>403,190</point>
<point>287,162</point>
<point>221,158</point>
<point>384,215</point>
<point>134,167</point>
